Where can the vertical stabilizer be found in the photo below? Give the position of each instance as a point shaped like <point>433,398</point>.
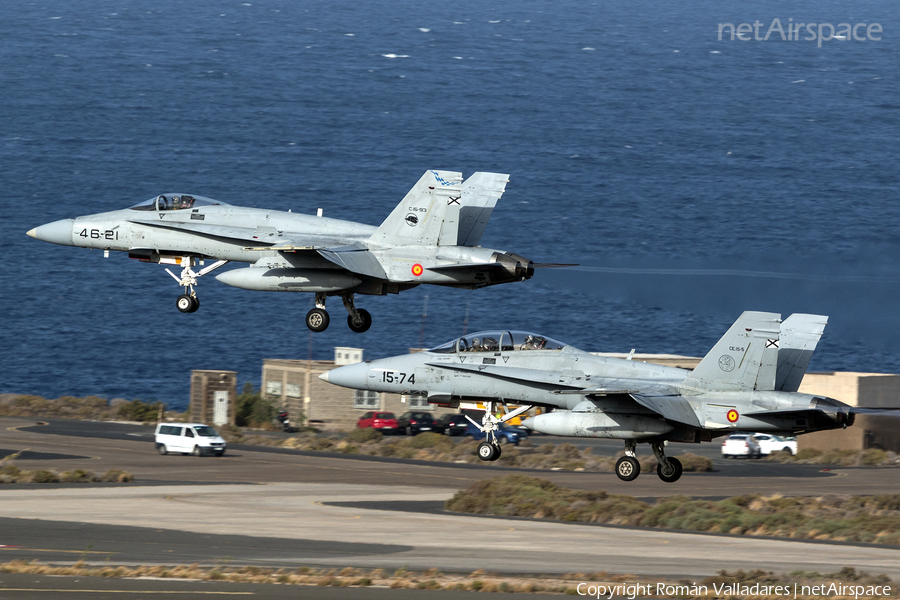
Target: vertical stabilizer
<point>740,360</point>
<point>480,193</point>
<point>419,218</point>
<point>800,334</point>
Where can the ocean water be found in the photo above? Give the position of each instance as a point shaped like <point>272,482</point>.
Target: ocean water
<point>691,178</point>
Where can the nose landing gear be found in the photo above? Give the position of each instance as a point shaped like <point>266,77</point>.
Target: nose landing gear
<point>188,302</point>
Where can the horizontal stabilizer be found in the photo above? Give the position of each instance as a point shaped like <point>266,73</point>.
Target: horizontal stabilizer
<point>672,408</point>
<point>800,333</point>
<point>480,194</point>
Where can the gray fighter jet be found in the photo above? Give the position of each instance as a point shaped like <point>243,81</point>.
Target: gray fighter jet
<point>747,382</point>
<point>432,237</point>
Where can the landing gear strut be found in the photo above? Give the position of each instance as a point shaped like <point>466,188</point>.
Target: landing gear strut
<point>358,319</point>
<point>628,468</point>
<point>317,319</point>
<point>188,302</point>
<point>489,449</point>
<point>668,469</point>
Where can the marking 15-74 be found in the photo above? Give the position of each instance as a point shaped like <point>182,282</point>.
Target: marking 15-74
<point>398,378</point>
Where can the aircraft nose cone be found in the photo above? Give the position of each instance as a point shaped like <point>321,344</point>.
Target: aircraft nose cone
<point>350,376</point>
<point>57,232</point>
<point>529,423</point>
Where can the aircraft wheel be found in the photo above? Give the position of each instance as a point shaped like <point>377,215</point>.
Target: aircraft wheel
<point>161,448</point>
<point>317,320</point>
<point>185,303</point>
<point>628,468</point>
<point>361,323</point>
<point>486,451</point>
<point>670,471</point>
<point>496,452</point>
<point>195,304</point>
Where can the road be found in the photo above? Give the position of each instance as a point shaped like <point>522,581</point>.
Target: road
<point>285,508</point>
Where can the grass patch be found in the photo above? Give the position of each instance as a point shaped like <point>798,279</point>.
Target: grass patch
<point>874,519</point>
<point>871,457</point>
<point>432,579</point>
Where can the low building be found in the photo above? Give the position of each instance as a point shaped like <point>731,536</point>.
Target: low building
<point>213,397</point>
<point>294,385</point>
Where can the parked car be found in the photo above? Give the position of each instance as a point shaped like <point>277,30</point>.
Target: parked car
<point>453,424</point>
<point>415,422</point>
<point>769,443</point>
<point>505,434</point>
<point>740,444</point>
<point>385,422</point>
<point>188,438</point>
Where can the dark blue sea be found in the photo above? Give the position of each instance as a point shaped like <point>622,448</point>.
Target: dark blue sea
<point>692,178</point>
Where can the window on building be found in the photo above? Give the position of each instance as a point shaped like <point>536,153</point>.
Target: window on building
<point>273,388</point>
<point>365,399</point>
<point>419,401</point>
<point>292,390</point>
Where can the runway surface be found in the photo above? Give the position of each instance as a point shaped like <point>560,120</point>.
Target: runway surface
<point>290,509</point>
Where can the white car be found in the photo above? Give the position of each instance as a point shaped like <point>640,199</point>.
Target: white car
<point>740,444</point>
<point>188,438</point>
<point>769,443</point>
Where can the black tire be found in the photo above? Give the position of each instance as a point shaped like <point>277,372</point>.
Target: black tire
<point>317,320</point>
<point>671,474</point>
<point>195,304</point>
<point>486,451</point>
<point>161,448</point>
<point>788,450</point>
<point>628,468</point>
<point>361,324</point>
<point>197,451</point>
<point>502,440</point>
<point>409,430</point>
<point>185,303</point>
<point>497,452</point>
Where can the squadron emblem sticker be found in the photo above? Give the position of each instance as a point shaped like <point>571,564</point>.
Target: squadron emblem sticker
<point>726,363</point>
<point>417,269</point>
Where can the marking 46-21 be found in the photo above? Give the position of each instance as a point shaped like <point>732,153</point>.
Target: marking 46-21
<point>99,234</point>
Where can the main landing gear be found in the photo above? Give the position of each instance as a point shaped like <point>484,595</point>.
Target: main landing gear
<point>358,319</point>
<point>668,469</point>
<point>188,302</point>
<point>489,449</point>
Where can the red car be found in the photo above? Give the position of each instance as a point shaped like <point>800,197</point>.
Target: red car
<point>384,422</point>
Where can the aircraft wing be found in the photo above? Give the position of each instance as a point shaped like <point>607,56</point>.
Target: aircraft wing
<point>356,259</point>
<point>673,408</point>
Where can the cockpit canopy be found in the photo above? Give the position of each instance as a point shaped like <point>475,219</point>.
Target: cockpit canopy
<point>165,202</point>
<point>499,341</point>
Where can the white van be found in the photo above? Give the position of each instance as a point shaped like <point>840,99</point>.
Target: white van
<point>194,438</point>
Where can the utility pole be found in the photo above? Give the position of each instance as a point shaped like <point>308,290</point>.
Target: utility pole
<point>424,314</point>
